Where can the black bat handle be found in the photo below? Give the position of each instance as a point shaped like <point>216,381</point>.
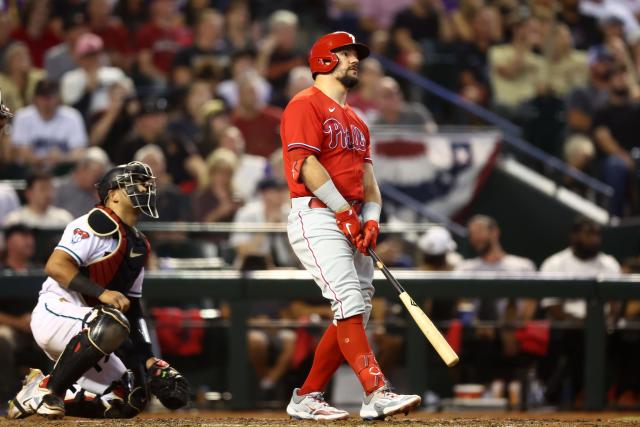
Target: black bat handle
<point>385,271</point>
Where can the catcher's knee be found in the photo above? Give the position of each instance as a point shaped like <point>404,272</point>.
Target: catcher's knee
<point>108,328</point>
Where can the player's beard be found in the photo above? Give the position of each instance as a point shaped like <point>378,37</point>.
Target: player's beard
<point>347,80</point>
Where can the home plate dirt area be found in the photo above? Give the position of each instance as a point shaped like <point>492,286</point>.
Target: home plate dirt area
<point>223,419</point>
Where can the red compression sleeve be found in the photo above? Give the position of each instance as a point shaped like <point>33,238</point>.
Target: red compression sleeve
<point>326,361</point>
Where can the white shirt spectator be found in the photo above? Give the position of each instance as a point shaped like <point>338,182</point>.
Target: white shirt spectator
<point>52,218</point>
<point>74,82</point>
<point>565,262</point>
<point>9,202</point>
<point>274,244</point>
<point>65,131</point>
<point>251,169</point>
<point>507,264</point>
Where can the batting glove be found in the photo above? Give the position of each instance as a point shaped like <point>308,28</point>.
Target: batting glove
<point>368,237</point>
<point>349,223</point>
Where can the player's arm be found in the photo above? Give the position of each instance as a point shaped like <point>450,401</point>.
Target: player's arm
<point>370,211</point>
<point>62,268</point>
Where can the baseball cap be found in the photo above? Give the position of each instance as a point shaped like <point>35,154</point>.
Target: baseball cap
<point>437,241</point>
<point>87,44</point>
<point>599,53</point>
<point>270,183</point>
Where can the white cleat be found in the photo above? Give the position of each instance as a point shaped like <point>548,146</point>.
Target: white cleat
<point>312,406</point>
<point>383,403</point>
<point>33,398</point>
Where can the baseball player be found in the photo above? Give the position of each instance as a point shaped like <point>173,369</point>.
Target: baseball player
<point>89,314</point>
<point>335,210</point>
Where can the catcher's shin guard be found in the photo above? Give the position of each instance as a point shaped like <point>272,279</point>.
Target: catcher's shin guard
<point>107,329</point>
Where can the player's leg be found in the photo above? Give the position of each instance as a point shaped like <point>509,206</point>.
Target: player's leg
<point>98,332</point>
<point>380,402</point>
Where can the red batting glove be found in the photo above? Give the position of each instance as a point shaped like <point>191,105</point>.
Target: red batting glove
<point>368,237</point>
<point>349,223</point>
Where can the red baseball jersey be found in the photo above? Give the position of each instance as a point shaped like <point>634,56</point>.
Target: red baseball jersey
<point>315,124</point>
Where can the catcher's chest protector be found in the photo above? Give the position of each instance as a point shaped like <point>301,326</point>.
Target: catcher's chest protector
<point>118,270</point>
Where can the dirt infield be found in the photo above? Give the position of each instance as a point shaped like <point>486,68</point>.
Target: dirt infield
<point>268,419</point>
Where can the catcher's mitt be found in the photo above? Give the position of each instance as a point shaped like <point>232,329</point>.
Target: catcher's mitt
<point>168,385</point>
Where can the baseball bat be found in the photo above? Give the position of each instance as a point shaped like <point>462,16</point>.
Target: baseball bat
<point>425,324</point>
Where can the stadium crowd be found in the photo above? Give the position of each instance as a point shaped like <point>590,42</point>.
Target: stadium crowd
<point>196,89</point>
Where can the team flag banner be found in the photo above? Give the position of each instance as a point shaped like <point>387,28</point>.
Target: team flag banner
<point>442,171</point>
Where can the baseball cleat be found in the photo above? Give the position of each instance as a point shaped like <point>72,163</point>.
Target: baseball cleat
<point>34,397</point>
<point>383,403</point>
<point>312,406</point>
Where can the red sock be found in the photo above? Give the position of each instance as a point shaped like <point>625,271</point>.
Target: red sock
<point>326,361</point>
<point>355,348</point>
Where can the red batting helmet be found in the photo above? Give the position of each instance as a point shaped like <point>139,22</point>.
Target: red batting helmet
<point>321,57</point>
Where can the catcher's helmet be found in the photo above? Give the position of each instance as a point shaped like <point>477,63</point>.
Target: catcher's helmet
<point>322,58</point>
<point>128,177</point>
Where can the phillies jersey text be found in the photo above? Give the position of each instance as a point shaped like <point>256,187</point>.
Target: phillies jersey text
<point>314,124</point>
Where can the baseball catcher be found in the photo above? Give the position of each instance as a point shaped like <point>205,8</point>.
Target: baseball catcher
<point>89,316</point>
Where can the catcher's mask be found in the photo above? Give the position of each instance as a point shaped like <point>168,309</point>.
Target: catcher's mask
<point>137,180</point>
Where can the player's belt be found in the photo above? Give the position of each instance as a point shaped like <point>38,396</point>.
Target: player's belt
<point>315,203</point>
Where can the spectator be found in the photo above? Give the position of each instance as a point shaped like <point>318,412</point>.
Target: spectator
<point>216,119</point>
<point>17,347</point>
<point>584,28</point>
<point>39,211</point>
<point>258,123</point>
<point>250,169</point>
<point>278,54</point>
<point>158,41</point>
<point>615,130</point>
<point>607,11</point>
<point>490,346</point>
<point>393,110</point>
<point>76,191</point>
<point>5,33</point>
<point>189,123</point>
<point>363,97</point>
<point>116,37</point>
<point>59,59</point>
<point>582,258</point>
<point>243,62</point>
<point>378,15</point>
<point>271,205</point>
<point>9,201</point>
<point>437,248</point>
<point>422,25</point>
<point>299,78</point>
<point>35,31</point>
<point>473,56</point>
<point>208,55</point>
<point>47,133</point>
<point>463,20</point>
<point>240,31</point>
<point>150,127</point>
<point>172,205</point>
<point>566,66</point>
<point>87,87</point>
<point>515,70</point>
<point>214,201</point>
<point>132,13</point>
<point>107,128</point>
<point>19,78</point>
<point>583,102</point>
<point>484,238</point>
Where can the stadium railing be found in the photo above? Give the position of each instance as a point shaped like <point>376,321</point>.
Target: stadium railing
<point>240,289</point>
